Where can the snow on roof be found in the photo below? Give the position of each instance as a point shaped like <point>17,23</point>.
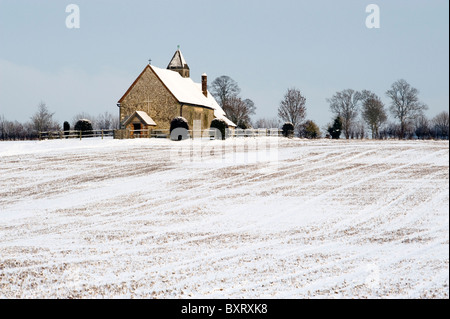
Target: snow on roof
<point>146,118</point>
<point>187,91</point>
<point>183,89</point>
<point>143,116</point>
<point>177,61</point>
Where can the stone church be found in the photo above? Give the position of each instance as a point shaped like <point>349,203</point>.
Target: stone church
<point>159,95</point>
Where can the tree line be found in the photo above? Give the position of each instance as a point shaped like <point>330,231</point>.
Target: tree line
<point>354,112</point>
<point>43,121</point>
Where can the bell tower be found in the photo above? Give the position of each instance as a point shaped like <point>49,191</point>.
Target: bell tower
<point>178,64</point>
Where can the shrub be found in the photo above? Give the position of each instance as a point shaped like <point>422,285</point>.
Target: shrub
<point>221,125</point>
<point>85,126</point>
<point>309,129</point>
<point>288,129</point>
<point>66,127</point>
<point>179,126</point>
<point>336,129</point>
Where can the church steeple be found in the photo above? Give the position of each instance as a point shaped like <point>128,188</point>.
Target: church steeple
<point>178,64</point>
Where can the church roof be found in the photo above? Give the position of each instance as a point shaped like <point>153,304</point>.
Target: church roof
<point>187,91</point>
<point>178,61</point>
<point>184,89</point>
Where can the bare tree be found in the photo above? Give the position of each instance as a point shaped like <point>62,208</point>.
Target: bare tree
<point>405,104</point>
<point>14,130</point>
<point>226,91</point>
<point>358,129</point>
<point>29,132</point>
<point>42,120</point>
<point>3,124</point>
<point>441,125</point>
<point>389,130</point>
<point>115,124</point>
<point>17,130</point>
<point>422,127</point>
<point>267,123</point>
<point>239,111</point>
<point>373,113</point>
<point>224,88</point>
<point>82,116</point>
<point>293,107</point>
<point>345,104</point>
<point>105,121</point>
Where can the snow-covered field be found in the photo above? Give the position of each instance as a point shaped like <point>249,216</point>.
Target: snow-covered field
<point>212,219</point>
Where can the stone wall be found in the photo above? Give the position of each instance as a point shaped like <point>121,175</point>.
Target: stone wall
<point>191,113</point>
<point>121,134</point>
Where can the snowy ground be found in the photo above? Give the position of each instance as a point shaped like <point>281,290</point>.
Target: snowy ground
<point>212,219</point>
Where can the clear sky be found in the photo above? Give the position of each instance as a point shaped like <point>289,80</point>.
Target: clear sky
<point>318,47</point>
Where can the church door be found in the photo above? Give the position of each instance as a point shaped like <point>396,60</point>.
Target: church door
<point>137,129</point>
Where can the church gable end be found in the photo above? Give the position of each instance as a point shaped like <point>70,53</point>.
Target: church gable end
<point>150,95</point>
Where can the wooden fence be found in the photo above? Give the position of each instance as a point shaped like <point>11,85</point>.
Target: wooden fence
<point>208,134</point>
<point>50,135</point>
<point>212,134</point>
<point>258,132</point>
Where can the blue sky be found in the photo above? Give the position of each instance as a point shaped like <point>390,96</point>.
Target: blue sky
<point>319,47</point>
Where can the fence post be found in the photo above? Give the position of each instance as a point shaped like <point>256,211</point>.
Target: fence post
<point>102,134</point>
<point>80,135</point>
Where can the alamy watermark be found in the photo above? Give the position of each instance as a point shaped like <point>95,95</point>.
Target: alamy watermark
<point>373,19</point>
<point>73,19</point>
<point>207,147</point>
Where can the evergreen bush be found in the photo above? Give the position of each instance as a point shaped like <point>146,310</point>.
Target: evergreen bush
<point>310,130</point>
<point>85,126</point>
<point>66,127</point>
<point>336,129</point>
<point>288,129</point>
<point>221,125</point>
<point>180,127</point>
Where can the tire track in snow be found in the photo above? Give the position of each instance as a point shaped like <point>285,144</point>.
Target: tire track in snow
<point>202,251</point>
